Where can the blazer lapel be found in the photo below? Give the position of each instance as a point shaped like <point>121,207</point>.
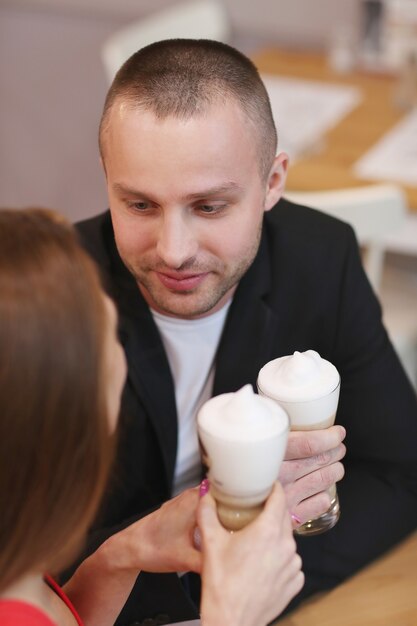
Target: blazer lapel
<point>250,330</point>
<point>149,371</point>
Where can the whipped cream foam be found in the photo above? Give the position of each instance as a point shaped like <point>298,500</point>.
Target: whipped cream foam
<point>302,376</point>
<point>242,416</point>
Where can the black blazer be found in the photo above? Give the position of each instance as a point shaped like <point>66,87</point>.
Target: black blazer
<point>306,289</point>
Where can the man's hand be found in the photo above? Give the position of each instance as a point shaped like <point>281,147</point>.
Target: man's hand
<point>311,466</point>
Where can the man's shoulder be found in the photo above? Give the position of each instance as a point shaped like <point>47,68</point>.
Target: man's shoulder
<point>307,240</point>
<point>299,219</point>
<point>297,227</point>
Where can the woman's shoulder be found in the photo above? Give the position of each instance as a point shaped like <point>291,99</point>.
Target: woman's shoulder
<point>18,613</point>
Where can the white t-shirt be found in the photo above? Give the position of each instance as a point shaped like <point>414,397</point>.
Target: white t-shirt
<point>191,347</point>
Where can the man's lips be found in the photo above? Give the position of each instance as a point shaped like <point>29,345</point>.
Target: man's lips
<point>181,282</point>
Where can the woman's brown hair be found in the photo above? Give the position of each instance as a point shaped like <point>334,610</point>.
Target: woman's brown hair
<point>55,447</point>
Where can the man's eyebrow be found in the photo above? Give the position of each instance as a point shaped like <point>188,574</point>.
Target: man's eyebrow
<point>216,190</point>
<point>230,186</point>
<point>124,189</point>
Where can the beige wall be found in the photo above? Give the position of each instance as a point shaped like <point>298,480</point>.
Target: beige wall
<point>52,85</point>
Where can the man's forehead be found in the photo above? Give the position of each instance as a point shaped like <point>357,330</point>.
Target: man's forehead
<point>219,124</point>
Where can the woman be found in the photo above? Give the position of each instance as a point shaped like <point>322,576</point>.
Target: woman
<point>61,375</point>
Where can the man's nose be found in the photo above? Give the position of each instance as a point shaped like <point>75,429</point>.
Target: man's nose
<point>176,241</point>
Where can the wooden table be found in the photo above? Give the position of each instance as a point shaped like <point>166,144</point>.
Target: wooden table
<point>383,594</point>
<point>354,135</point>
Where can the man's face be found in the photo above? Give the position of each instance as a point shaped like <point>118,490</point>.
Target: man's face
<point>187,201</point>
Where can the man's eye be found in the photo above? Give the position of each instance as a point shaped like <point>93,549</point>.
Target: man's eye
<point>210,208</point>
<point>139,206</point>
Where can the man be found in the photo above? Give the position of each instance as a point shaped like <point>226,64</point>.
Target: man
<point>214,274</point>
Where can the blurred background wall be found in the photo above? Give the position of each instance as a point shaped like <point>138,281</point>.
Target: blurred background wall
<point>52,84</point>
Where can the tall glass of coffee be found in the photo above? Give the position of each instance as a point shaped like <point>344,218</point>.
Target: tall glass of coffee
<point>243,437</point>
<point>307,387</point>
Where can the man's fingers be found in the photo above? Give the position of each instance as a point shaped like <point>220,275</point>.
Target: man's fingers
<point>312,484</point>
<point>312,507</point>
<point>321,479</point>
<point>304,444</point>
<point>292,470</point>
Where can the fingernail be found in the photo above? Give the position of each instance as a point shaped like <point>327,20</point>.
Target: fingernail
<point>204,487</point>
<point>295,518</point>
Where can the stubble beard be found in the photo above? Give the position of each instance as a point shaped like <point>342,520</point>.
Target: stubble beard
<point>194,303</point>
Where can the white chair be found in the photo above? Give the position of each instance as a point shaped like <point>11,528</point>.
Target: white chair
<point>376,213</point>
<point>191,19</point>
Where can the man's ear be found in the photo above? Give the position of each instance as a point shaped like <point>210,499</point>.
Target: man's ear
<point>276,180</point>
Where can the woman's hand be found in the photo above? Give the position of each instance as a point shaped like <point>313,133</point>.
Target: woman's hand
<point>159,542</point>
<point>163,540</point>
<point>248,576</point>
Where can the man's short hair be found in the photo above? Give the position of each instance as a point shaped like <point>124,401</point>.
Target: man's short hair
<point>183,77</point>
